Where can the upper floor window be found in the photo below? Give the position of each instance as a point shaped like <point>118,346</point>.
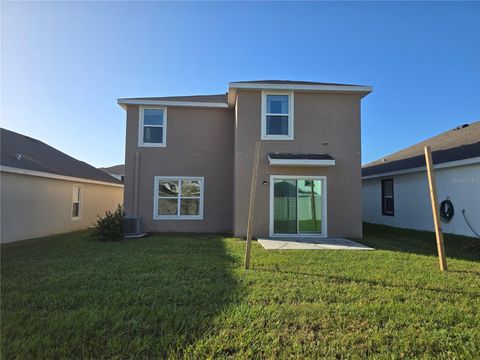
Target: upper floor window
<point>387,197</point>
<point>277,116</point>
<point>152,126</point>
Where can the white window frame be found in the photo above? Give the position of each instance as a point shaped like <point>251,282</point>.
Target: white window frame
<point>80,202</point>
<point>156,196</point>
<point>324,206</point>
<point>289,136</point>
<point>141,126</point>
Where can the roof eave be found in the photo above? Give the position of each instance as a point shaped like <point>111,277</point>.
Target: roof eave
<point>408,170</point>
<point>233,87</point>
<point>125,102</point>
<point>22,171</point>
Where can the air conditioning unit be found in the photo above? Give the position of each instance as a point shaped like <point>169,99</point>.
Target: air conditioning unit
<point>132,226</point>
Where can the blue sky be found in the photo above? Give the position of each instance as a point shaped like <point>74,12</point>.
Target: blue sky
<point>64,64</point>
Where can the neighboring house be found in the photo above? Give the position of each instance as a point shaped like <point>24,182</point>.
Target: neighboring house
<point>395,187</point>
<point>189,160</point>
<point>117,171</point>
<point>44,191</point>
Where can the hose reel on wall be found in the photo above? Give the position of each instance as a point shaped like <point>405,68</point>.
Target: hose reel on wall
<point>447,210</point>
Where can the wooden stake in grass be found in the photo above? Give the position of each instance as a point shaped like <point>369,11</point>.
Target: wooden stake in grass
<point>251,208</point>
<point>436,215</point>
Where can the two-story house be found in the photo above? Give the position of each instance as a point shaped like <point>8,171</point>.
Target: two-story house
<point>189,160</point>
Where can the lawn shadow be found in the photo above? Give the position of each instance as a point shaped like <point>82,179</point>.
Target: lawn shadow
<point>344,279</point>
<point>144,298</point>
<point>195,284</point>
<point>383,237</point>
<point>468,272</point>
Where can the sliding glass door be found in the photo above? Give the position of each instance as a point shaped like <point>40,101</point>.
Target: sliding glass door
<point>298,206</point>
<point>285,207</point>
<point>309,206</point>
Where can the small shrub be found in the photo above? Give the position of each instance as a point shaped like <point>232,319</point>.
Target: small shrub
<point>109,227</point>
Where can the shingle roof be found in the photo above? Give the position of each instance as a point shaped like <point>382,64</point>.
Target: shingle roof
<point>289,82</point>
<point>217,98</point>
<point>23,152</point>
<point>117,169</point>
<point>462,142</point>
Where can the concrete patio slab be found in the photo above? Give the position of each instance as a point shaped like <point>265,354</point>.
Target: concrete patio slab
<point>311,244</point>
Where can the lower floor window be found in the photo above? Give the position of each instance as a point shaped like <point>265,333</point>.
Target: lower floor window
<point>387,197</point>
<point>76,200</point>
<point>178,198</point>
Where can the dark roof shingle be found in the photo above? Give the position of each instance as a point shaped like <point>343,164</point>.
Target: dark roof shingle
<point>117,169</point>
<point>460,143</point>
<point>23,152</point>
<point>438,157</point>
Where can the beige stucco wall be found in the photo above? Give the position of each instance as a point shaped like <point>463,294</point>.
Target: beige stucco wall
<point>218,144</point>
<point>33,206</point>
<point>319,117</point>
<point>199,143</point>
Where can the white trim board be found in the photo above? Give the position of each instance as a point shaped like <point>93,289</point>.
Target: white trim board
<point>445,165</point>
<point>13,170</point>
<point>324,206</point>
<point>124,102</point>
<point>300,162</point>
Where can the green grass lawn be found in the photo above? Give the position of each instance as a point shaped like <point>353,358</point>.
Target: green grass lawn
<point>188,296</point>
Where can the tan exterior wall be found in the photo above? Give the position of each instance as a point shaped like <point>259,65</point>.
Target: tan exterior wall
<point>334,118</point>
<point>33,206</point>
<point>199,143</point>
<point>218,144</point>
